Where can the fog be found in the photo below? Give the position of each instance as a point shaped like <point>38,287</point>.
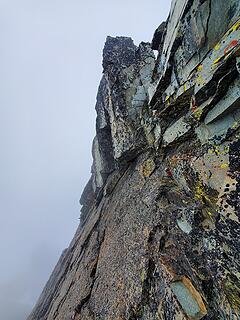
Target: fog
<point>50,67</point>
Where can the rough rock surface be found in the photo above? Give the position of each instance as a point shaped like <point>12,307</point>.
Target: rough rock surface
<point>159,231</point>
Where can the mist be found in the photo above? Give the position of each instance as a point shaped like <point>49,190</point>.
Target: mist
<point>50,62</point>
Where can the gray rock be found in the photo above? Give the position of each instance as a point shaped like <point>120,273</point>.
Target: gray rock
<point>228,104</point>
<point>189,300</point>
<point>160,223</point>
<point>184,226</point>
<point>176,131</point>
<point>140,98</point>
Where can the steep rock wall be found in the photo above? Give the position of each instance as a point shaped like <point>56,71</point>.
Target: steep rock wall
<point>159,231</point>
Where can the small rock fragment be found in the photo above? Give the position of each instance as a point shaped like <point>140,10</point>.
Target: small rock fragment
<point>189,298</point>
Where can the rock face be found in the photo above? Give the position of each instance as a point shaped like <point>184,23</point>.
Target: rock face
<point>159,231</point>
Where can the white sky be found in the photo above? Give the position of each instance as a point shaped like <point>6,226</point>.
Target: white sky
<point>50,68</point>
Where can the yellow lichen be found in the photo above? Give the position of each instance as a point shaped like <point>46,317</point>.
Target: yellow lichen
<point>147,168</point>
<point>219,150</point>
<point>216,61</point>
<point>235,27</point>
<point>198,114</point>
<point>206,199</point>
<point>235,125</point>
<point>224,166</point>
<point>199,192</point>
<point>167,98</point>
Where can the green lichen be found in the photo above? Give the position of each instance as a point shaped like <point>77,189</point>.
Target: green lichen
<point>232,291</point>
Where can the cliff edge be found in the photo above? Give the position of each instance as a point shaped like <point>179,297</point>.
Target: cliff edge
<point>159,230</point>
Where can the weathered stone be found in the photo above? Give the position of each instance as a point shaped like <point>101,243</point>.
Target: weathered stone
<point>119,51</point>
<point>160,222</point>
<point>198,71</point>
<point>228,104</point>
<point>184,226</point>
<point>125,67</point>
<point>190,300</point>
<point>177,130</point>
<point>140,98</point>
<point>218,129</point>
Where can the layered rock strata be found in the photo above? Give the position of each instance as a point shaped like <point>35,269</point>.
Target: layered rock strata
<point>159,231</point>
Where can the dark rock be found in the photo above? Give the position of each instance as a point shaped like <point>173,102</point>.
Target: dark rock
<point>119,51</point>
<point>158,36</point>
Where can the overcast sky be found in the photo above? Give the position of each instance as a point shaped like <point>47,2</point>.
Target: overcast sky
<point>50,68</point>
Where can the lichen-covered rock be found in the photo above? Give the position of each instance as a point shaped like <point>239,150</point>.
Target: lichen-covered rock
<point>159,231</point>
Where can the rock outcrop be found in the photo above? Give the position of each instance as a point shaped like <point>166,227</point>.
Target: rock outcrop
<point>159,231</point>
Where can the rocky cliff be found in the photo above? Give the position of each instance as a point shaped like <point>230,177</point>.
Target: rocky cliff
<point>159,231</point>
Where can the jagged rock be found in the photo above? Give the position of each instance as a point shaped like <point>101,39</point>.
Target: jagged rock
<point>159,232</point>
<point>127,73</point>
<point>157,40</point>
<point>87,199</point>
<point>177,130</point>
<point>119,52</point>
